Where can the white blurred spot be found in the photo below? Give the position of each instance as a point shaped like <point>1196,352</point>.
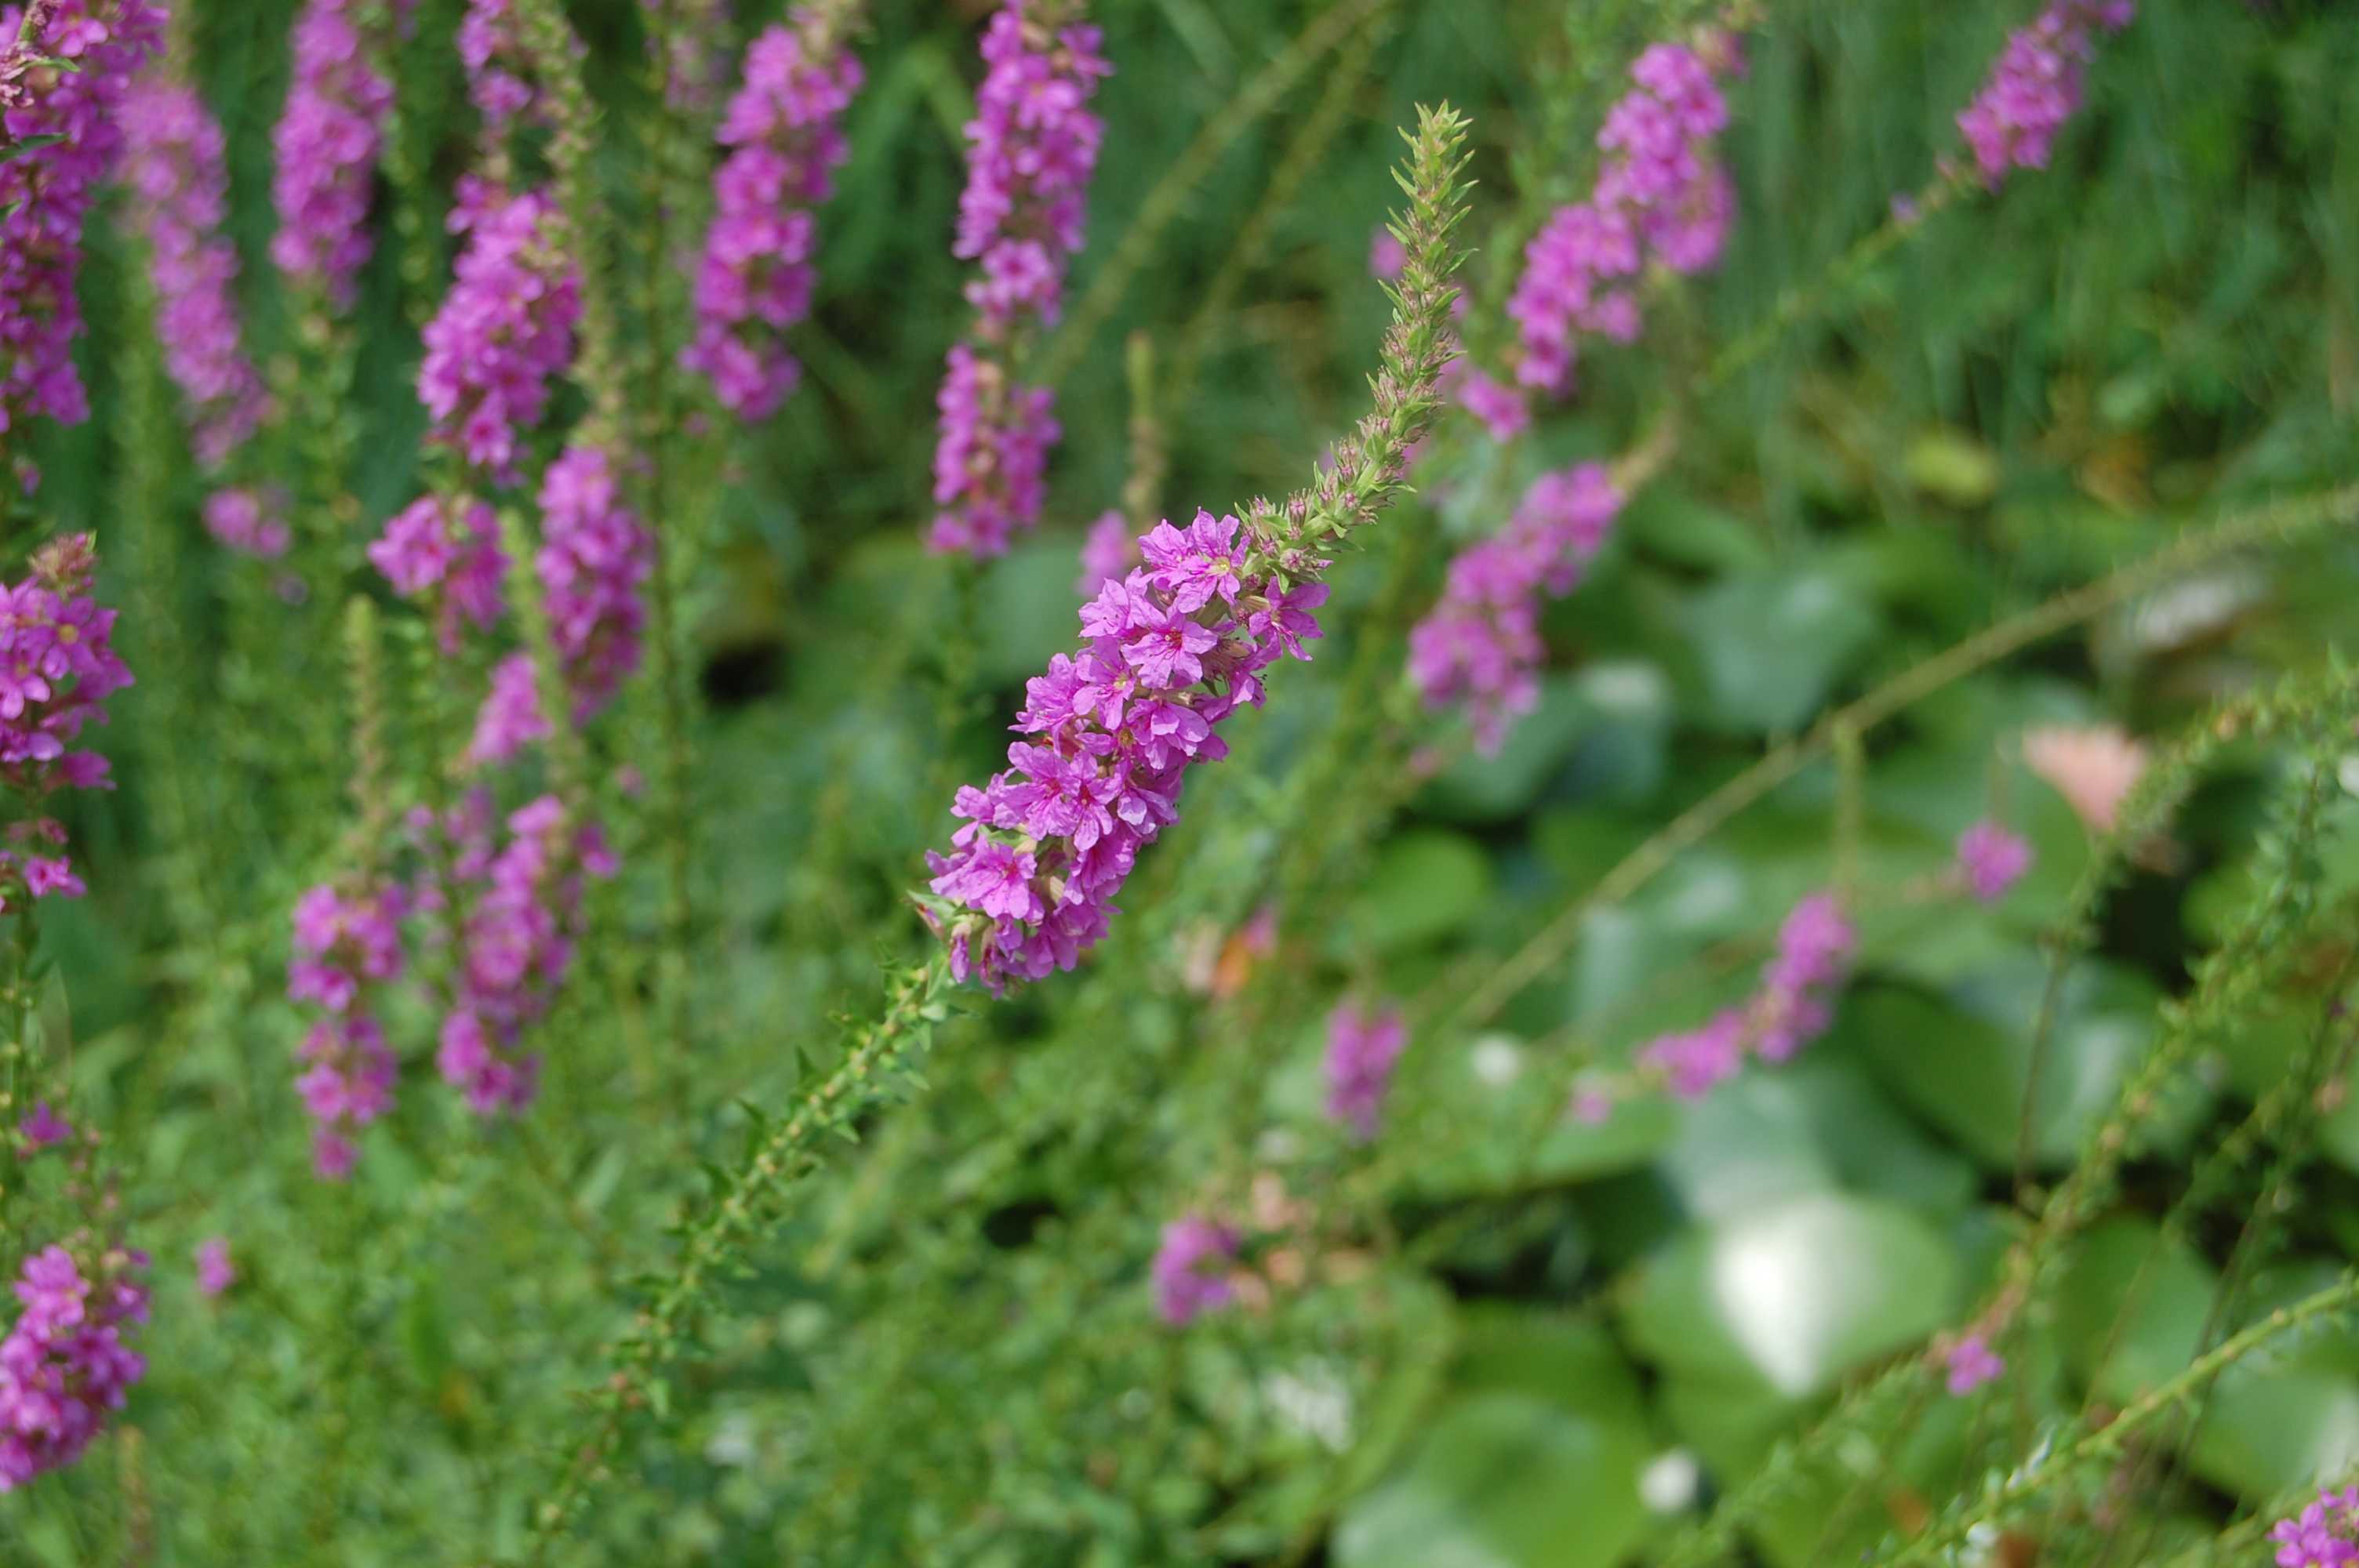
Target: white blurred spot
<point>1668,1486</point>
<point>1496,1060</point>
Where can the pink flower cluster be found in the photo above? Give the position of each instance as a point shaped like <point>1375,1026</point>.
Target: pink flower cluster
<point>328,139</point>
<point>347,944</point>
<point>1481,646</point>
<point>1991,859</point>
<point>1969,1364</point>
<point>1169,652</point>
<point>451,560</point>
<point>497,66</point>
<point>1363,1048</point>
<point>1793,1006</point>
<point>46,188</point>
<point>990,467</point>
<point>58,667</point>
<point>67,1360</point>
<point>1032,148</point>
<point>756,276</point>
<point>215,1273</point>
<point>522,902</point>
<point>505,329</point>
<point>1108,552</point>
<point>2035,86</point>
<point>1190,1269</point>
<point>1658,194</point>
<point>594,555</point>
<point>2325,1534</point>
<point>173,152</point>
<point>247,521</point>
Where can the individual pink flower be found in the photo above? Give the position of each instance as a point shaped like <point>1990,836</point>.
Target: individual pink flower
<point>44,1127</point>
<point>2325,1534</point>
<point>1970,1363</point>
<point>1191,1270</point>
<point>1363,1048</point>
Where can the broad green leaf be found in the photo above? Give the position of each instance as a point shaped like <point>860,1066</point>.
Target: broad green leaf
<point>1791,1297</point>
<point>1773,645</point>
<point>1503,1480</point>
<point>1426,885</point>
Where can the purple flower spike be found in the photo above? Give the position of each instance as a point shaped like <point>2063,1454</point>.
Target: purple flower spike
<point>2035,86</point>
<point>327,140</point>
<point>1191,1270</point>
<point>1363,1048</point>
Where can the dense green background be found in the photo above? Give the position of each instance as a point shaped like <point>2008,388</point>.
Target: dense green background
<point>944,1351</point>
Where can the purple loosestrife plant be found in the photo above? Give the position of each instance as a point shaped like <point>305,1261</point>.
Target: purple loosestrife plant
<point>503,331</point>
<point>595,555</point>
<point>1363,1049</point>
<point>1480,647</point>
<point>215,1273</point>
<point>172,164</point>
<point>249,521</point>
<point>1991,859</point>
<point>327,140</point>
<point>756,275</point>
<point>1659,195</point>
<point>1175,648</point>
<point>46,189</point>
<point>2035,86</point>
<point>499,68</point>
<point>67,1360</point>
<point>58,667</point>
<point>1032,148</point>
<point>347,945</point>
<point>446,557</point>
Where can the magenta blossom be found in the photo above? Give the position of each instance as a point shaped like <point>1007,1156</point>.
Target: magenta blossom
<point>1191,1270</point>
<point>327,140</point>
<point>2035,86</point>
<point>503,331</point>
<point>1363,1048</point>
<point>215,1273</point>
<point>1991,859</point>
<point>67,1360</point>
<point>1971,1363</point>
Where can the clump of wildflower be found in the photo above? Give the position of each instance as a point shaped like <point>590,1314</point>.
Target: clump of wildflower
<point>215,1273</point>
<point>1363,1048</point>
<point>58,667</point>
<point>173,153</point>
<point>347,945</point>
<point>1659,194</point>
<point>2035,86</point>
<point>503,330</point>
<point>450,557</point>
<point>1169,652</point>
<point>497,66</point>
<point>67,1360</point>
<point>246,521</point>
<point>516,940</point>
<point>510,717</point>
<point>2325,1534</point>
<point>327,140</point>
<point>1191,1270</point>
<point>1479,646</point>
<point>1991,859</point>
<point>1970,1363</point>
<point>1793,1006</point>
<point>46,188</point>
<point>756,275</point>
<point>1108,552</point>
<point>1032,148</point>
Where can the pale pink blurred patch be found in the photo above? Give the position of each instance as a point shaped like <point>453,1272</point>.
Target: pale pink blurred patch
<point>2092,767</point>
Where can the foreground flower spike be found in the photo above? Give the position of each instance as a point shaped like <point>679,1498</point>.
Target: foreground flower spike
<point>503,331</point>
<point>1175,647</point>
<point>1991,859</point>
<point>327,140</point>
<point>756,275</point>
<point>1032,148</point>
<point>347,947</point>
<point>2325,1534</point>
<point>172,164</point>
<point>67,1360</point>
<point>1660,195</point>
<point>2035,86</point>
<point>521,906</point>
<point>61,133</point>
<point>58,667</point>
<point>1191,1270</point>
<point>1363,1048</point>
<point>1480,647</point>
